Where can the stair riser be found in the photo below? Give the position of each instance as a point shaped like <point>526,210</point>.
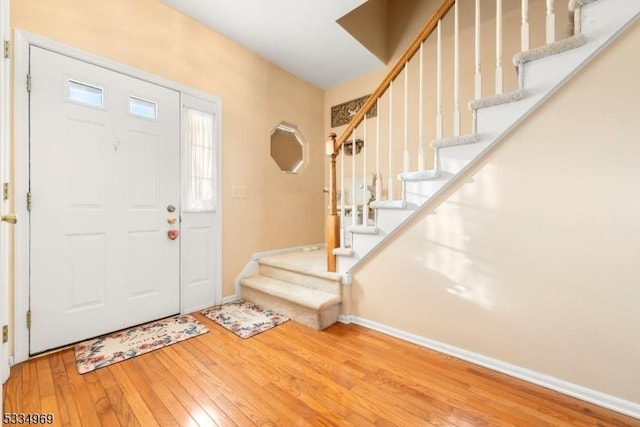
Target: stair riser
<point>364,243</point>
<point>419,192</point>
<point>301,279</point>
<point>454,159</point>
<point>388,219</point>
<point>310,318</point>
<point>344,263</point>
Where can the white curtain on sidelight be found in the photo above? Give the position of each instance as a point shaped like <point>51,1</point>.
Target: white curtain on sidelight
<point>199,162</point>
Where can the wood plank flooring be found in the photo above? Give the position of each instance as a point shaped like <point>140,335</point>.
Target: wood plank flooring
<point>291,376</point>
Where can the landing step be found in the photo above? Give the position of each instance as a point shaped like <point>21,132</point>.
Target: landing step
<point>456,140</point>
<point>312,308</point>
<point>500,99</point>
<point>311,263</point>
<point>301,295</point>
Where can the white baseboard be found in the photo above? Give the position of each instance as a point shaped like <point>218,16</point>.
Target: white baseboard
<point>230,298</point>
<point>613,403</point>
<point>344,318</point>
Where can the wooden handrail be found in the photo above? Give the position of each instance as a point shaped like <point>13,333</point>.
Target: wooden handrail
<point>395,71</point>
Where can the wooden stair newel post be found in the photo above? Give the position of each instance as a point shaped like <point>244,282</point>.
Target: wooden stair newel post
<point>333,220</point>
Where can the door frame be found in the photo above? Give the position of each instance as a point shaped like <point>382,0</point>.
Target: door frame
<point>5,205</point>
<point>23,40</point>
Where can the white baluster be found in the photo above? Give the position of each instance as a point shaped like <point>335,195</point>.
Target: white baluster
<point>378,175</point>
<point>499,46</point>
<point>365,182</point>
<point>524,28</point>
<point>478,75</point>
<point>390,154</point>
<point>439,82</point>
<point>354,205</point>
<point>551,22</point>
<point>456,72</point>
<point>405,152</point>
<point>421,112</point>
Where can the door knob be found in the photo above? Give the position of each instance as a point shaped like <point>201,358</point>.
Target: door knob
<point>10,218</point>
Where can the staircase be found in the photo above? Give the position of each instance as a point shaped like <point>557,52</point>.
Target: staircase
<point>540,71</point>
<point>296,283</point>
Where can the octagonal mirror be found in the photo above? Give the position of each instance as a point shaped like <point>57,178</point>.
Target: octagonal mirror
<point>288,148</point>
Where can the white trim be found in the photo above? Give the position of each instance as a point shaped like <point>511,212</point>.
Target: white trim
<point>5,109</point>
<point>344,318</point>
<point>230,298</point>
<point>608,401</point>
<point>23,40</point>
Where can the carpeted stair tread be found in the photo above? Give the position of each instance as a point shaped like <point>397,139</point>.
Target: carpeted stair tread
<point>311,298</point>
<point>311,263</point>
<point>499,99</point>
<point>388,204</point>
<point>343,252</point>
<point>456,140</point>
<point>555,48</point>
<point>425,174</point>
<point>575,4</point>
<point>363,229</point>
<point>421,175</point>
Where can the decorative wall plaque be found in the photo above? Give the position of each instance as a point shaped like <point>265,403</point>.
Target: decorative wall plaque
<point>342,114</point>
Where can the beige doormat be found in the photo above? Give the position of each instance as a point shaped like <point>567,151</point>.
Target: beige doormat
<point>244,318</point>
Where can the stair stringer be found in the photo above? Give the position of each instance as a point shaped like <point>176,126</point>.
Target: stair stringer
<point>601,22</point>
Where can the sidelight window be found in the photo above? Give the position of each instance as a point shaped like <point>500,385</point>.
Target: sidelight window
<point>199,161</point>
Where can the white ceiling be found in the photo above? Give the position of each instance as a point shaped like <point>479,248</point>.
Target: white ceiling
<point>301,36</point>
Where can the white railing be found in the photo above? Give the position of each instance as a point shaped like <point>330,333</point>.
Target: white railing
<point>439,73</point>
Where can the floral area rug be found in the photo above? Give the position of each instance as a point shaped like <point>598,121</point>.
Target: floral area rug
<point>122,345</point>
<point>244,318</point>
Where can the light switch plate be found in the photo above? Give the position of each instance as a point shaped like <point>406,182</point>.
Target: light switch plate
<point>239,192</point>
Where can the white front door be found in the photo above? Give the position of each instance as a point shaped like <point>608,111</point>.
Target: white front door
<point>104,184</point>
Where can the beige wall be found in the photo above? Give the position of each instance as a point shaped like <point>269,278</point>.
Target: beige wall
<point>281,210</point>
<point>533,260</point>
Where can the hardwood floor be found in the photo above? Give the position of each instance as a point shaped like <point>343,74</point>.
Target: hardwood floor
<point>346,376</point>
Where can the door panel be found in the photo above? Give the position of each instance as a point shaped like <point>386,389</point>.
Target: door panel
<point>143,264</point>
<point>101,178</point>
<point>87,286</point>
<point>87,141</point>
<point>142,169</point>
